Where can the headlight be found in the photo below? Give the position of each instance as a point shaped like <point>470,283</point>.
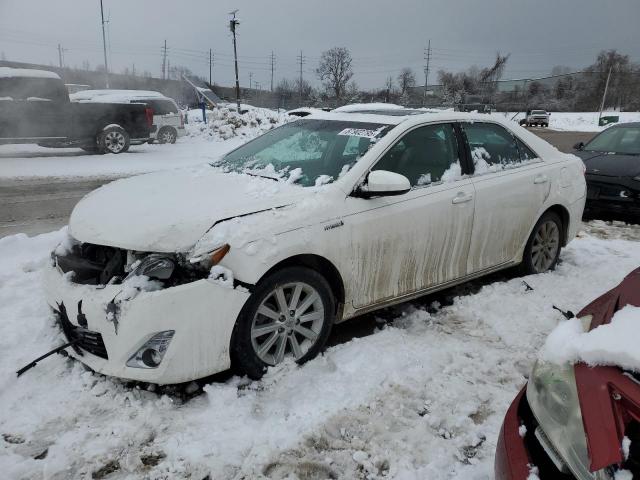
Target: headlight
<point>553,397</point>
<point>154,265</point>
<point>211,258</point>
<point>150,355</point>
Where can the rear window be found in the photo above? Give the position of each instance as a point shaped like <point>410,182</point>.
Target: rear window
<point>161,107</point>
<point>21,88</point>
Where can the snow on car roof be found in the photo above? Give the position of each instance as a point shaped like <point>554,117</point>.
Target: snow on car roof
<point>362,107</point>
<point>8,72</point>
<point>114,96</point>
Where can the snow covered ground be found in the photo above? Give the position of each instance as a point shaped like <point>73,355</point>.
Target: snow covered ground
<point>582,121</point>
<point>422,397</point>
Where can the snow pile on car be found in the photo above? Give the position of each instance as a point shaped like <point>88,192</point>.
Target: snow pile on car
<point>614,344</point>
<point>224,123</point>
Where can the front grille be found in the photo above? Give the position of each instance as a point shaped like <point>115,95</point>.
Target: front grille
<point>89,341</point>
<point>82,338</point>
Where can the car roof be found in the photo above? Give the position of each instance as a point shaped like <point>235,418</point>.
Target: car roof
<point>396,117</point>
<point>626,125</point>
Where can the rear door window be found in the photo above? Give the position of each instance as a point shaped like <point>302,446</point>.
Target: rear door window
<point>492,147</point>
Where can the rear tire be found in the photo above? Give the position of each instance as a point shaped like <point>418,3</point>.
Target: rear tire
<point>543,247</point>
<point>167,135</point>
<point>113,139</point>
<point>289,314</point>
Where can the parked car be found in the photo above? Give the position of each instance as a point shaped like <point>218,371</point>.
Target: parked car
<point>612,160</point>
<point>535,118</point>
<point>570,421</point>
<point>35,108</point>
<point>253,259</point>
<point>168,122</point>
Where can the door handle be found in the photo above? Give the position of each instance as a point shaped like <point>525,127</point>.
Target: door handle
<point>540,179</point>
<point>462,198</point>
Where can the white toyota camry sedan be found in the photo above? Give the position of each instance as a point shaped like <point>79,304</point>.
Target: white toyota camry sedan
<point>249,261</point>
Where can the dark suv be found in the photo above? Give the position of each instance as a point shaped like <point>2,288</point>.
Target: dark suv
<point>35,108</point>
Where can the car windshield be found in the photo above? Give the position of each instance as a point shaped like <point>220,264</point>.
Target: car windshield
<point>538,112</point>
<point>307,152</point>
<point>617,139</point>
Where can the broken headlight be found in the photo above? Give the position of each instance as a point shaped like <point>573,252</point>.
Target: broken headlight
<point>155,265</point>
<point>150,355</point>
<point>553,397</point>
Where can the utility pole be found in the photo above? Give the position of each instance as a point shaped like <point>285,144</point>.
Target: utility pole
<point>60,55</point>
<point>302,61</point>
<point>273,66</point>
<point>250,80</point>
<point>210,66</point>
<point>164,60</point>
<point>233,23</point>
<point>104,46</point>
<point>427,57</point>
<point>604,95</point>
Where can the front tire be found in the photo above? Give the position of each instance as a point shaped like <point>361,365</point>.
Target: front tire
<point>289,314</point>
<point>113,139</point>
<point>543,247</point>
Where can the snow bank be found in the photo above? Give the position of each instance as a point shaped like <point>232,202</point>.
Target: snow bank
<point>615,343</point>
<point>224,123</point>
<point>424,396</point>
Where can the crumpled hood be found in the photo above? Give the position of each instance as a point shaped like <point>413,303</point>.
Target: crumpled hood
<point>610,164</point>
<point>170,211</point>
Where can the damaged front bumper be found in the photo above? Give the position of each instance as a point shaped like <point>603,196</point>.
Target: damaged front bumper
<point>201,313</point>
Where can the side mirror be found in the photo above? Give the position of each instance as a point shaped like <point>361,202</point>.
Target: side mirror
<point>381,183</point>
<point>578,146</point>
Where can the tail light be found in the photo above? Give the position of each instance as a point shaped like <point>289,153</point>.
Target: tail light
<point>149,115</point>
<point>181,120</point>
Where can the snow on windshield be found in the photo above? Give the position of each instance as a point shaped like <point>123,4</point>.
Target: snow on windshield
<point>305,152</point>
<point>612,344</point>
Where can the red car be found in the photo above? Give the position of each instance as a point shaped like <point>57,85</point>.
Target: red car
<point>576,421</point>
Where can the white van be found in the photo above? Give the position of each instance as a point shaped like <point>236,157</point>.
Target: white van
<point>168,122</point>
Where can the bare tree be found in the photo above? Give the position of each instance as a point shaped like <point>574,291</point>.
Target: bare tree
<point>334,70</point>
<point>406,80</point>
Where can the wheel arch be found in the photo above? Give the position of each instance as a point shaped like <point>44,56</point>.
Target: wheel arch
<point>564,215</point>
<point>321,265</point>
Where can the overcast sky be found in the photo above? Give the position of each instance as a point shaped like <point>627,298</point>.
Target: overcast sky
<point>382,35</point>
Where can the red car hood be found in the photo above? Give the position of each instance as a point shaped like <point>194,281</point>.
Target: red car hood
<point>609,397</point>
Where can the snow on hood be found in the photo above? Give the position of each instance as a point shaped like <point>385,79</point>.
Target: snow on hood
<point>169,211</point>
<point>614,344</point>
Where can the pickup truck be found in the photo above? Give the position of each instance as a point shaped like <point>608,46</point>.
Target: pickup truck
<point>536,118</point>
<point>35,108</point>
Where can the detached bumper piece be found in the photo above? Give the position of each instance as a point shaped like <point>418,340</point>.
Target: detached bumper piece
<point>81,338</point>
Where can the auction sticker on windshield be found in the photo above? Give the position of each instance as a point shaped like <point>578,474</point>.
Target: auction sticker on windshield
<point>361,132</point>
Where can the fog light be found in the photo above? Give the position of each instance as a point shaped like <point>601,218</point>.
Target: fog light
<point>150,354</point>
<point>151,358</point>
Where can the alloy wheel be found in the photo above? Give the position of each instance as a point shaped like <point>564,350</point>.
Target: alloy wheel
<point>545,246</point>
<point>168,137</point>
<point>288,322</point>
<point>115,141</point>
